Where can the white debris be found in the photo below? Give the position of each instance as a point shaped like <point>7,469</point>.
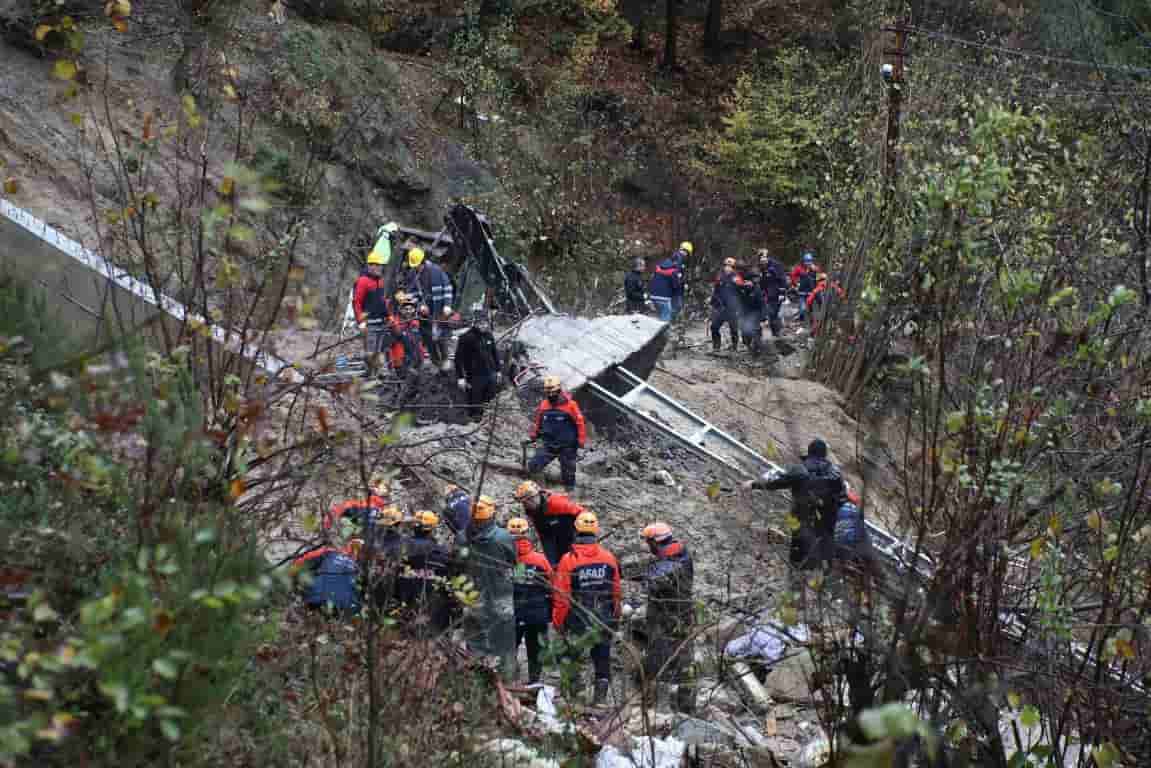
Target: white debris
<point>644,753</point>
<point>512,753</point>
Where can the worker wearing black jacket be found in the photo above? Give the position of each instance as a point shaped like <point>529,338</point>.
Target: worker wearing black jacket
<point>635,289</point>
<point>773,283</point>
<point>725,305</point>
<point>478,363</point>
<point>817,492</point>
<point>670,613</point>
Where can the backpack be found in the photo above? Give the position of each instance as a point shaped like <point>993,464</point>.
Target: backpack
<point>823,493</point>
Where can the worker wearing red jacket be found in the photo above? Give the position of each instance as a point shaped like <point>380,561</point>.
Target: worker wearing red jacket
<point>533,596</point>
<point>559,425</point>
<point>363,513</point>
<point>587,599</point>
<point>822,295</point>
<point>553,515</point>
<point>370,303</point>
<point>803,279</point>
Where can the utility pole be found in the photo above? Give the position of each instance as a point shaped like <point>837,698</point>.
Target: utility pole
<point>893,74</point>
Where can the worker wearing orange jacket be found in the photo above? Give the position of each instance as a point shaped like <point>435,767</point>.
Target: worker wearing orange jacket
<point>553,515</point>
<point>533,596</point>
<point>361,512</point>
<point>559,425</point>
<point>825,291</point>
<point>587,599</point>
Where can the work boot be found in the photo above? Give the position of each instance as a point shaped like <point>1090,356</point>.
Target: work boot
<point>600,696</point>
<point>716,345</point>
<point>734,345</point>
<point>534,672</point>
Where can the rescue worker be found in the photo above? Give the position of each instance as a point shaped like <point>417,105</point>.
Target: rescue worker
<point>533,597</point>
<point>635,288</point>
<point>802,281</point>
<point>457,512</point>
<point>371,307</point>
<point>681,255</point>
<point>490,627</point>
<point>773,284</point>
<point>478,363</point>
<point>421,581</point>
<point>433,290</point>
<point>389,553</point>
<point>817,492</point>
<point>670,612</point>
<point>725,305</point>
<point>405,353</point>
<point>587,600</point>
<point>559,426</point>
<point>751,311</point>
<point>362,513</point>
<point>334,572</point>
<point>553,515</point>
<point>666,287</point>
<point>821,297</point>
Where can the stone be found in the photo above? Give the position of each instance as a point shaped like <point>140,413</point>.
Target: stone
<point>663,477</point>
<point>694,730</point>
<point>790,679</point>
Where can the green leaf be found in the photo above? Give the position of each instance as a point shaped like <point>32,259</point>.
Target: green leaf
<point>713,489</point>
<point>43,612</point>
<point>64,69</point>
<point>118,693</point>
<point>170,729</point>
<point>1111,553</point>
<point>1105,755</point>
<point>165,669</point>
<point>1013,700</point>
<point>1029,717</point>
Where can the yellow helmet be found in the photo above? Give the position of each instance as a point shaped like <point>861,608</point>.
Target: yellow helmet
<point>391,516</point>
<point>518,526</point>
<point>484,508</point>
<point>587,522</point>
<point>415,257</point>
<point>426,519</point>
<point>687,247</point>
<point>657,532</point>
<point>375,257</point>
<point>526,490</point>
<point>552,384</point>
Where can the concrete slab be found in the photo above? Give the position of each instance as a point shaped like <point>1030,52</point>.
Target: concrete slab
<point>579,349</point>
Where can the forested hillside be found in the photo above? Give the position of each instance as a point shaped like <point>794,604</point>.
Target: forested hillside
<point>974,180</point>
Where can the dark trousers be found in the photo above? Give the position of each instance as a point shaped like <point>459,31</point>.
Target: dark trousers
<point>673,654</point>
<point>600,657</point>
<point>535,635</point>
<point>376,339</point>
<point>429,333</point>
<point>802,306</point>
<point>771,314</point>
<point>547,454</point>
<point>720,317</point>
<point>481,390</point>
<point>749,329</point>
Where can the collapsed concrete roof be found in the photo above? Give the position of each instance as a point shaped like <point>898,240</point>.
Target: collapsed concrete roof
<point>578,349</point>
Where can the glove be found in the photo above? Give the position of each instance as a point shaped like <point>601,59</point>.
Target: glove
<point>447,311</point>
<point>362,326</point>
<point>463,385</point>
<point>747,485</point>
<point>424,310</point>
<point>499,379</point>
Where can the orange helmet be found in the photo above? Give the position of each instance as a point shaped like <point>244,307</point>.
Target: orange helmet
<point>426,519</point>
<point>587,522</point>
<point>518,527</point>
<point>484,508</point>
<point>657,532</point>
<point>390,516</point>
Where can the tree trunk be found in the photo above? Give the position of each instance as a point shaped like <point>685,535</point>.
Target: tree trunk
<point>713,27</point>
<point>669,46</point>
<point>639,35</point>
